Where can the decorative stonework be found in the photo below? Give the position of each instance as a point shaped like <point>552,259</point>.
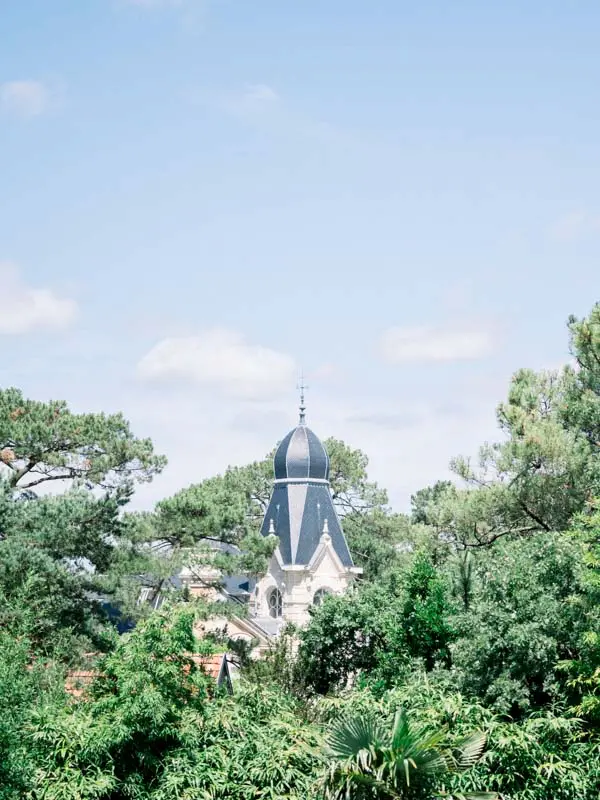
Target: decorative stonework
<point>312,557</point>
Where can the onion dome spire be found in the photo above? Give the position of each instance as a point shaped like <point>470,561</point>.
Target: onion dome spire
<point>301,508</point>
<point>302,387</point>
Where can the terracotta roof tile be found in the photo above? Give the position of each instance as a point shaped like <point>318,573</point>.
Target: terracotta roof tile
<point>210,664</point>
<point>77,680</point>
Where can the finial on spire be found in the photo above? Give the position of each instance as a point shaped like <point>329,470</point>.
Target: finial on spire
<point>302,387</point>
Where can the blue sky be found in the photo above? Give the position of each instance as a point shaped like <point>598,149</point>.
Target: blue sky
<point>200,197</point>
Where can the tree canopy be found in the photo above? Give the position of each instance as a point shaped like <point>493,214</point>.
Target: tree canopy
<point>465,663</point>
<point>41,442</point>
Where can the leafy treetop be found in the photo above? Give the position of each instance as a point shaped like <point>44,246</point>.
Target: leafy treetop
<point>41,442</point>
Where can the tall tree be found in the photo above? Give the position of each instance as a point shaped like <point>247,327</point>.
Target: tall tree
<point>428,497</point>
<point>376,540</point>
<point>351,489</point>
<point>524,616</point>
<point>62,555</point>
<point>548,466</point>
<point>581,409</point>
<point>41,442</point>
<point>372,633</point>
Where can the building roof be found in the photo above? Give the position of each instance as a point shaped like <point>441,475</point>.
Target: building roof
<point>77,681</point>
<point>301,509</point>
<point>216,666</point>
<point>301,455</point>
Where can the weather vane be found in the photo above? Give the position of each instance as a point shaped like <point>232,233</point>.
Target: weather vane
<point>302,387</point>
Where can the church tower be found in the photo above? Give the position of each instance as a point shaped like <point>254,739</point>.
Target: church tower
<point>312,557</point>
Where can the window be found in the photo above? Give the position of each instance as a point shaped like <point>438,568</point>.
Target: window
<point>158,601</point>
<point>319,595</point>
<point>275,603</point>
<point>145,594</point>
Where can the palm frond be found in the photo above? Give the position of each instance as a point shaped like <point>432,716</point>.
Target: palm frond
<point>418,745</point>
<point>471,750</point>
<point>400,730</point>
<point>342,785</point>
<point>353,736</point>
<point>407,757</point>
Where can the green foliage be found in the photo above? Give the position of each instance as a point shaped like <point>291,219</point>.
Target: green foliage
<point>521,621</point>
<point>253,746</point>
<point>426,613</point>
<point>114,745</point>
<point>149,731</point>
<point>582,665</point>
<point>429,497</point>
<point>547,468</point>
<point>581,410</point>
<point>372,633</point>
<point>374,539</point>
<point>21,684</point>
<point>42,442</point>
<point>343,639</point>
<point>536,480</point>
<point>278,666</point>
<point>406,761</point>
<point>351,490</point>
<point>545,755</point>
<point>58,556</point>
<point>216,509</point>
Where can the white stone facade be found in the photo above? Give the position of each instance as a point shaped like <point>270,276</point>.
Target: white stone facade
<point>300,585</point>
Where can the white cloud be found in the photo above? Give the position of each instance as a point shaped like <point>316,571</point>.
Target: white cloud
<point>259,93</point>
<point>24,309</point>
<point>575,225</point>
<point>222,358</point>
<point>252,99</point>
<point>25,98</point>
<point>398,345</point>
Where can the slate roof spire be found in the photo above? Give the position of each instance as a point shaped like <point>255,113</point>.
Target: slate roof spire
<point>301,508</point>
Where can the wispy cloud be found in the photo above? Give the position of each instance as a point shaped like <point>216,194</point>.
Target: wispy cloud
<point>398,345</point>
<point>575,225</point>
<point>252,99</point>
<point>25,98</point>
<point>24,308</point>
<point>263,106</point>
<point>222,358</point>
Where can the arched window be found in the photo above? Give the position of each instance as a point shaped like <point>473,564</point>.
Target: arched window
<point>319,595</point>
<point>275,603</point>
